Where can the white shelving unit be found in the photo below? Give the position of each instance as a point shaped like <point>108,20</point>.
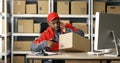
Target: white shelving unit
<point>0,31</point>
<point>4,18</point>
<point>89,17</point>
<point>51,8</point>
<point>14,34</point>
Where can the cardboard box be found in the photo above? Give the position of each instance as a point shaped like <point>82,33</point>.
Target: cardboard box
<point>82,26</point>
<point>63,7</point>
<point>19,7</point>
<point>113,9</point>
<point>65,21</point>
<point>22,45</point>
<point>73,42</point>
<point>81,61</point>
<point>37,27</point>
<point>25,26</point>
<point>43,7</point>
<point>115,61</point>
<point>31,8</point>
<point>18,59</point>
<point>21,59</point>
<point>99,7</point>
<point>79,7</point>
<point>3,44</point>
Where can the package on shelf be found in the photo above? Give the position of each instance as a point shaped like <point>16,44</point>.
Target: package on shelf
<point>81,61</point>
<point>99,7</point>
<point>63,7</point>
<point>43,6</point>
<point>113,9</point>
<point>82,26</point>
<point>73,42</point>
<point>65,21</point>
<point>7,44</point>
<point>25,26</point>
<point>3,26</point>
<point>21,59</point>
<point>31,8</point>
<point>19,6</point>
<point>18,59</point>
<point>37,27</point>
<point>22,45</point>
<point>79,7</point>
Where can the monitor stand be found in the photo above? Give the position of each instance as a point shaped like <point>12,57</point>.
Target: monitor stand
<point>107,52</point>
<point>100,52</point>
<point>116,41</point>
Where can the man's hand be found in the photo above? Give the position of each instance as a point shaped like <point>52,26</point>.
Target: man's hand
<point>62,26</point>
<point>50,43</point>
<point>61,45</point>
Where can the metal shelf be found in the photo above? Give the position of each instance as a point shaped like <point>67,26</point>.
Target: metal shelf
<point>26,34</point>
<point>21,52</point>
<point>45,15</point>
<point>8,52</point>
<point>94,16</point>
<point>8,34</point>
<point>93,35</point>
<point>33,34</point>
<point>8,15</point>
<point>74,16</point>
<point>86,35</point>
<point>30,15</point>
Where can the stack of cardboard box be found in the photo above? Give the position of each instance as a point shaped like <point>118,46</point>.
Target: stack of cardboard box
<point>23,28</point>
<point>99,6</point>
<point>63,7</point>
<point>31,27</point>
<point>22,45</point>
<point>113,9</point>
<point>21,59</point>
<point>79,7</point>
<point>31,8</point>
<point>43,7</point>
<point>82,26</point>
<point>19,6</point>
<point>37,27</point>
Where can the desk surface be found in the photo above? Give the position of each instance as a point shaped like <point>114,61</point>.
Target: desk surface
<point>81,56</point>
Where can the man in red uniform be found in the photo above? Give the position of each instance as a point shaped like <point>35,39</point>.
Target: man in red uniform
<point>49,38</point>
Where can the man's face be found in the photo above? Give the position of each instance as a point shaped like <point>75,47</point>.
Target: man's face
<point>54,24</point>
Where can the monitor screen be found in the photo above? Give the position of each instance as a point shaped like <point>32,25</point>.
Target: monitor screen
<point>106,25</point>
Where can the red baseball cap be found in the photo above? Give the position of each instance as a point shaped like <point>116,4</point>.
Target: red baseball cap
<point>52,16</point>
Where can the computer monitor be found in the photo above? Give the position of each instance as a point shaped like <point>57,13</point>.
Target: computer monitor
<point>107,32</point>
